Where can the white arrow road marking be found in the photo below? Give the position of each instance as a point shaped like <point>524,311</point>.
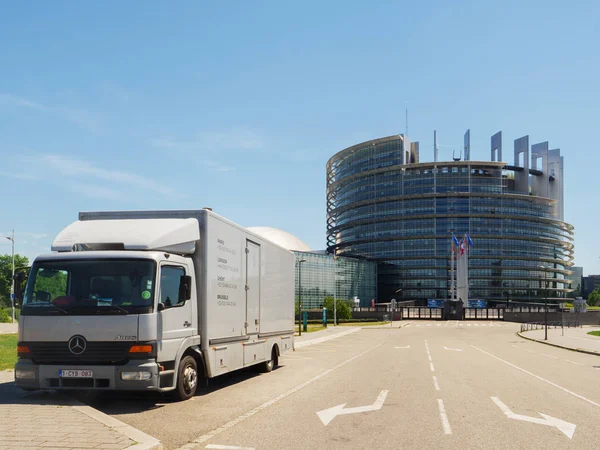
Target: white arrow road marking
<point>406,346</point>
<point>567,428</point>
<point>327,415</point>
<point>454,349</point>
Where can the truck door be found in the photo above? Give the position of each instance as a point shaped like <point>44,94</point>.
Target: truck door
<point>252,287</point>
<point>175,320</point>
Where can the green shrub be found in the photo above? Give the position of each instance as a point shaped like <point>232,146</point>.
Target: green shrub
<point>4,316</point>
<point>343,310</point>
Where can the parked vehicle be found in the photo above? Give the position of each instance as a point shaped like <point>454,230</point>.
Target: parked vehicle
<point>153,300</point>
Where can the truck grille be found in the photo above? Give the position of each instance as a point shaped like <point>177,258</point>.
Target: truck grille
<point>98,353</point>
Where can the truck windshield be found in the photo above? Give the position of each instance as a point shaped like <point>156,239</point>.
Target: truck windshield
<point>106,286</point>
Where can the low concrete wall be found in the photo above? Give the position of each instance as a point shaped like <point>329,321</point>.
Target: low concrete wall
<point>588,318</point>
<point>318,315</point>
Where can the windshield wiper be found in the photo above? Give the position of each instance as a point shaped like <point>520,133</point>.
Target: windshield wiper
<point>109,302</point>
<point>37,304</point>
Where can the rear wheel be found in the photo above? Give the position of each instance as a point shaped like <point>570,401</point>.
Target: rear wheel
<point>268,366</point>
<point>187,378</point>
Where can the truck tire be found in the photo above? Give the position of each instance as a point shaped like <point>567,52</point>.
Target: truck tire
<point>268,366</point>
<point>187,378</point>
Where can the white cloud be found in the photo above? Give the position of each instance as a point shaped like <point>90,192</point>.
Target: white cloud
<point>236,138</point>
<point>82,118</point>
<point>217,166</point>
<point>76,168</point>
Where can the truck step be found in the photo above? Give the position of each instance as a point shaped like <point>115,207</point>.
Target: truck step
<point>166,372</point>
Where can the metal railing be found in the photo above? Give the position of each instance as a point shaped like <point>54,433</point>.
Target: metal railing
<point>417,312</point>
<point>483,314</point>
<point>530,309</point>
<point>541,325</point>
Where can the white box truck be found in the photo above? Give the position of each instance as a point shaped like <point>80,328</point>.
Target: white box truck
<point>153,300</point>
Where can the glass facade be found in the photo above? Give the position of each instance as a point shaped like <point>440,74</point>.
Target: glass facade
<point>402,215</point>
<point>320,276</point>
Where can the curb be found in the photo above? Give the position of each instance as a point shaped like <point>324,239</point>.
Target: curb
<point>144,441</point>
<point>325,338</point>
<point>579,350</point>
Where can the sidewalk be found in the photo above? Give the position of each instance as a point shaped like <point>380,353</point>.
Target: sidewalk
<point>34,420</point>
<point>576,339</point>
<point>316,337</point>
<point>9,328</point>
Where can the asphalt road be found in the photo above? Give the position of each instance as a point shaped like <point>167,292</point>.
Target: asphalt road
<point>426,385</point>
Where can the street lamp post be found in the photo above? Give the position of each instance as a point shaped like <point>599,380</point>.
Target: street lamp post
<point>334,290</point>
<point>545,269</point>
<point>12,286</point>
<point>300,296</point>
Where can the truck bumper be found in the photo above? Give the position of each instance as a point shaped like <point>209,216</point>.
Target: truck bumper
<point>33,376</point>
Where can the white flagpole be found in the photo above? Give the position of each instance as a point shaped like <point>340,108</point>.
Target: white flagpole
<point>466,271</point>
<point>452,273</point>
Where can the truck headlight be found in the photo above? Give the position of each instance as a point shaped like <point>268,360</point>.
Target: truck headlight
<point>135,376</point>
<point>25,374</point>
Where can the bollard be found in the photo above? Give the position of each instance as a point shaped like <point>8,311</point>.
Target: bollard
<point>325,317</point>
<point>305,321</point>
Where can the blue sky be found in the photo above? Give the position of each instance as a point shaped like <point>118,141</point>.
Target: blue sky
<point>238,106</point>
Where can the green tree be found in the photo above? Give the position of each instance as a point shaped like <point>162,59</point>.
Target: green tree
<point>52,282</point>
<point>594,298</point>
<point>6,275</point>
<point>343,310</point>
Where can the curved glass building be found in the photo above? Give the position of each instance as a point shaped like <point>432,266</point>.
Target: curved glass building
<point>385,205</point>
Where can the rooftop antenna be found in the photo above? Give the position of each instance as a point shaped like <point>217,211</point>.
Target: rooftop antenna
<point>406,125</point>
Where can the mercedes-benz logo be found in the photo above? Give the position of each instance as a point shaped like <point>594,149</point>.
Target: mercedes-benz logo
<point>77,345</point>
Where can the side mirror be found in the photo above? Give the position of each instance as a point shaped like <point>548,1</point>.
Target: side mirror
<point>185,288</point>
<point>161,306</point>
<point>19,278</point>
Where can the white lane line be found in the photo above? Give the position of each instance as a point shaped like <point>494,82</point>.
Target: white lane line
<point>444,417</point>
<point>211,434</point>
<point>468,324</point>
<point>573,362</point>
<point>429,324</point>
<point>592,402</point>
<point>228,447</point>
<point>549,356</point>
<point>428,354</point>
<point>438,325</point>
<point>429,357</point>
<point>435,383</point>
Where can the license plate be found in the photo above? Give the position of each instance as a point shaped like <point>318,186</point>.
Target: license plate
<point>75,374</point>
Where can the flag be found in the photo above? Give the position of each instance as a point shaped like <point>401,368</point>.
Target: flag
<point>469,240</point>
<point>454,243</point>
<point>462,247</point>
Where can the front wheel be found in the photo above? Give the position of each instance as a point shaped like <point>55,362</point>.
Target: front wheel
<point>187,378</point>
<point>268,366</point>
